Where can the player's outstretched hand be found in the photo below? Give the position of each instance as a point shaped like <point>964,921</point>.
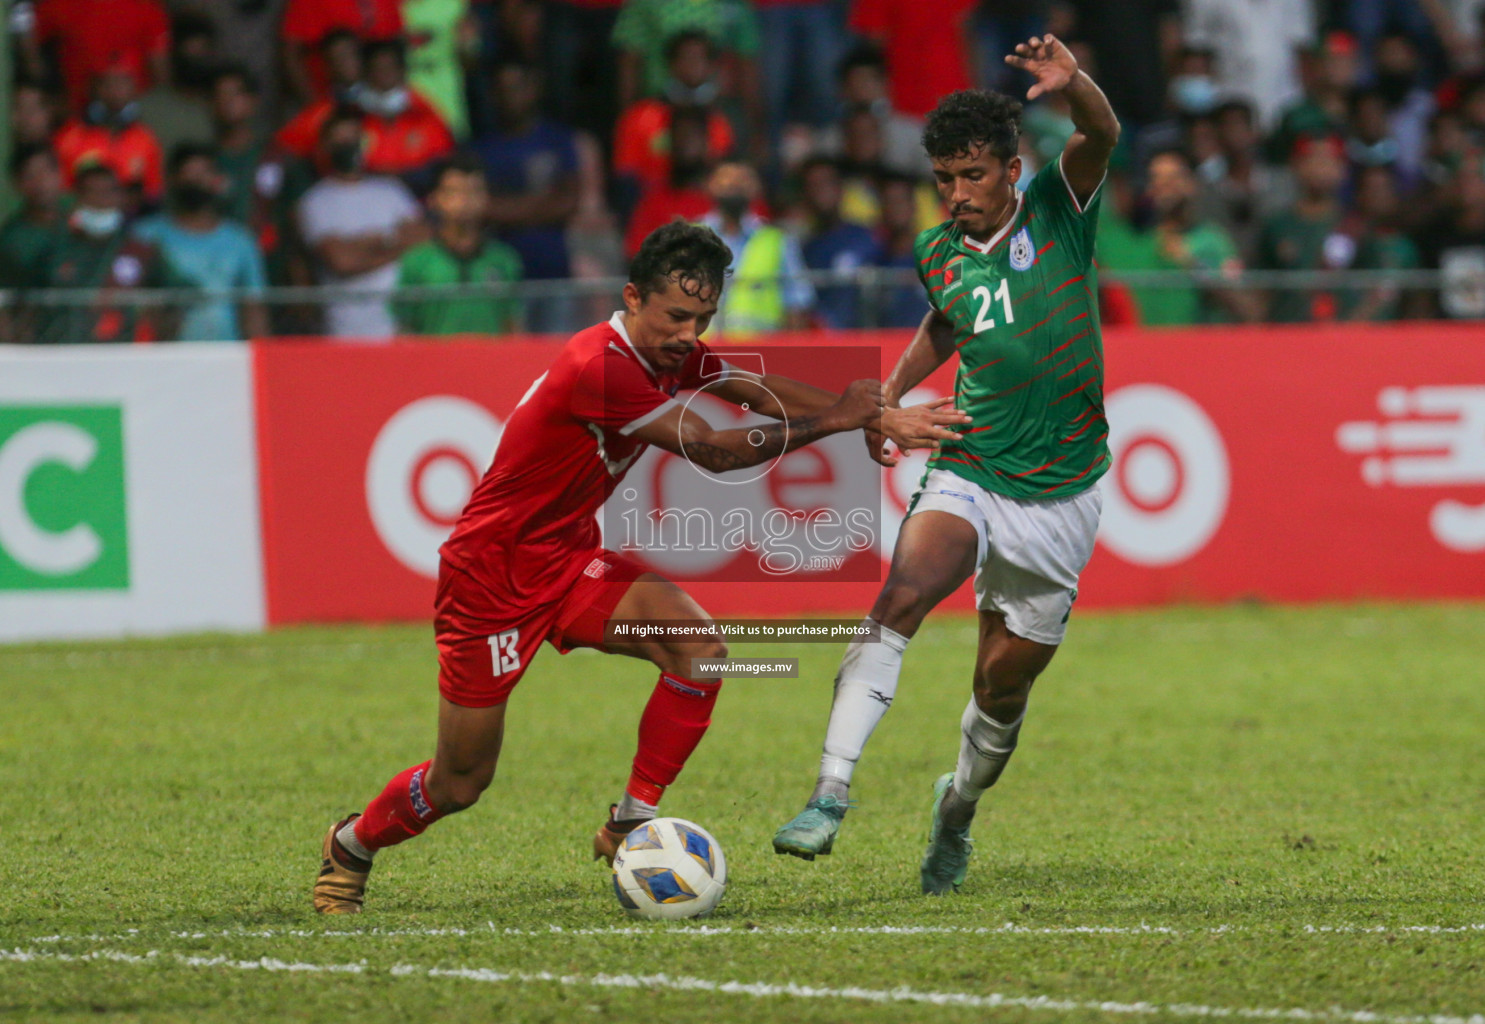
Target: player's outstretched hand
<point>876,447</point>
<point>924,425</point>
<point>1047,60</point>
<point>861,405</point>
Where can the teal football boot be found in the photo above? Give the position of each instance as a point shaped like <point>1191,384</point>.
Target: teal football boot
<point>812,832</point>
<point>947,860</point>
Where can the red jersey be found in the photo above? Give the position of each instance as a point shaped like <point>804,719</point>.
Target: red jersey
<point>565,448</point>
<point>133,153</point>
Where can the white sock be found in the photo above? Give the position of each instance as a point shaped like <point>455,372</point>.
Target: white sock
<point>629,808</point>
<point>864,688</point>
<point>347,837</point>
<point>985,746</point>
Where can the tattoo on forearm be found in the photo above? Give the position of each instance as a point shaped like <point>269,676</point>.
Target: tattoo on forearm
<point>778,438</point>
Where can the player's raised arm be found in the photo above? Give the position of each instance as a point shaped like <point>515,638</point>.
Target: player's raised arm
<point>1085,158</point>
<point>684,432</point>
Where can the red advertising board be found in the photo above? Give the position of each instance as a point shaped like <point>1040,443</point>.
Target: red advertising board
<point>1299,463</point>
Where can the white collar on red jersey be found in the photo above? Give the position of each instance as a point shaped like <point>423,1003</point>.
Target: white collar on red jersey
<point>617,323</point>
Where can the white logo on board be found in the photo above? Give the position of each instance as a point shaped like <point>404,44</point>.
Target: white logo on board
<point>423,467</point>
<point>1167,493</point>
<point>1429,437</point>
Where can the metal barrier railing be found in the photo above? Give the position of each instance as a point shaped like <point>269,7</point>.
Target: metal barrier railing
<point>569,304</point>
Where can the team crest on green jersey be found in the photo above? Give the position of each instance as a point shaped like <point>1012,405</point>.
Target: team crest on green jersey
<point>1022,254</point>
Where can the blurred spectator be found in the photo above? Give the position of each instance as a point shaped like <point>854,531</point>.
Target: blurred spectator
<point>684,193</point>
<point>926,45</point>
<point>833,243</point>
<point>459,253</point>
<point>1257,43</point>
<point>1409,105</point>
<point>862,170</point>
<point>1369,141</point>
<point>357,227</point>
<point>239,147</point>
<point>581,66</point>
<point>1381,244</point>
<point>642,140</point>
<point>340,51</point>
<point>1329,74</point>
<point>1192,94</point>
<point>1133,41</point>
<point>442,38</point>
<point>1454,245</point>
<point>531,165</point>
<point>30,230</point>
<point>595,245</point>
<point>645,28</point>
<point>1177,241</point>
<point>202,250</point>
<point>178,110</point>
<point>1427,24</point>
<point>96,251</point>
<point>902,306</point>
<point>768,289</point>
<point>403,131</point>
<point>997,26</point>
<point>862,78</point>
<point>85,38</point>
<point>247,35</point>
<point>32,115</point>
<point>1309,236</point>
<point>110,133</point>
<point>802,43</point>
<point>307,23</point>
<point>1243,191</point>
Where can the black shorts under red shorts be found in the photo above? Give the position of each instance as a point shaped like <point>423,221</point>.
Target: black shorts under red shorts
<point>483,652</point>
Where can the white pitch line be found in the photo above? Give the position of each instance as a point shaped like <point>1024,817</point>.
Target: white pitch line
<point>693,931</point>
<point>757,990</point>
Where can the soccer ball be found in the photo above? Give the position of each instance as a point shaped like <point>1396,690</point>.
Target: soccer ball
<point>669,869</point>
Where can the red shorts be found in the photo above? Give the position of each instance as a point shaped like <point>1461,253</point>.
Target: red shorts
<point>482,652</point>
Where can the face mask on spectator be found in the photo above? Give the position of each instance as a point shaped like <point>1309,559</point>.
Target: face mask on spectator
<point>193,198</point>
<point>1193,94</point>
<point>682,95</point>
<point>99,114</point>
<point>346,157</point>
<point>96,223</point>
<point>388,103</point>
<point>733,205</point>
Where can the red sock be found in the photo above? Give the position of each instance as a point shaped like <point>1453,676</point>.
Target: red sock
<point>402,811</point>
<point>674,721</point>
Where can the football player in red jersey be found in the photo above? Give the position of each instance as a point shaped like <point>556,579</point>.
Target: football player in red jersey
<point>524,563</point>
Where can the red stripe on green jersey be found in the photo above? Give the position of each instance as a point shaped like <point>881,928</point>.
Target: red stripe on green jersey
<point>1025,440</point>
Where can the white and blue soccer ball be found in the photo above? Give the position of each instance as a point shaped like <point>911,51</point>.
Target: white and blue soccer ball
<point>669,869</point>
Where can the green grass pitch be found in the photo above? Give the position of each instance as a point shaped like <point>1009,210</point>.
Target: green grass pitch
<point>1243,813</point>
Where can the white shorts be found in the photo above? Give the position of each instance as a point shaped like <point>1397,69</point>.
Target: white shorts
<point>1030,552</point>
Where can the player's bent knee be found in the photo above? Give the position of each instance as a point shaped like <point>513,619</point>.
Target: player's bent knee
<point>902,605</point>
<point>452,792</point>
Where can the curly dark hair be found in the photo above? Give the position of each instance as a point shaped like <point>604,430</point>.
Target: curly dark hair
<point>692,255</point>
<point>966,120</point>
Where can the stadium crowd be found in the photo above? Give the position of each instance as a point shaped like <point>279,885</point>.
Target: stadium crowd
<point>375,145</point>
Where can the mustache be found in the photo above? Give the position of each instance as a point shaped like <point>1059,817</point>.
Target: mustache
<point>955,211</point>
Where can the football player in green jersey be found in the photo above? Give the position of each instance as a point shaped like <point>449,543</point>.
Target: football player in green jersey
<point>1011,497</point>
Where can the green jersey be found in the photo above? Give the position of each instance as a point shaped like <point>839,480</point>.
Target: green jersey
<point>433,263</point>
<point>1025,315</point>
